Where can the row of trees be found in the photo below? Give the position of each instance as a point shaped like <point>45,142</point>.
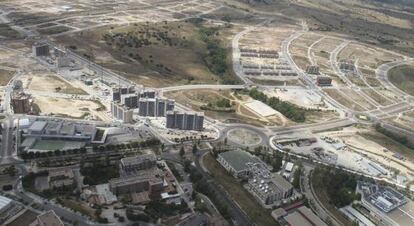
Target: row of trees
<point>131,145</point>
<point>289,110</point>
<point>35,155</point>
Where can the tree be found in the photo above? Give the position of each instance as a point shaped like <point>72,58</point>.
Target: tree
<point>11,170</point>
<point>182,151</point>
<point>195,149</point>
<point>277,163</point>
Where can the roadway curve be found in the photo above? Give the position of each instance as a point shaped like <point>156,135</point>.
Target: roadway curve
<point>382,76</point>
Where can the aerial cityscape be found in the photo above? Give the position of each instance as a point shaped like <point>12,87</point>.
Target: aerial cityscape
<point>207,112</point>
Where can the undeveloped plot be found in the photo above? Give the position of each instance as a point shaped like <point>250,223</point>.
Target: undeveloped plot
<point>299,49</point>
<point>321,52</point>
<point>377,97</point>
<point>335,94</point>
<point>358,98</point>
<point>5,76</point>
<point>50,83</point>
<point>367,56</point>
<point>266,37</point>
<point>68,107</point>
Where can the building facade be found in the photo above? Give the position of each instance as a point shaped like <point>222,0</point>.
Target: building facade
<point>121,112</point>
<point>21,103</point>
<point>155,107</point>
<point>185,120</point>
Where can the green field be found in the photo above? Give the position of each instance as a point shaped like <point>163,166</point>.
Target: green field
<point>403,78</point>
<point>51,145</point>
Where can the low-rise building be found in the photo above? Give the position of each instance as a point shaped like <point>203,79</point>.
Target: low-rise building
<point>139,162</point>
<point>312,69</point>
<point>149,180</point>
<point>269,188</point>
<point>303,216</point>
<point>48,219</point>
<point>237,162</point>
<point>323,81</point>
<point>61,130</point>
<point>61,178</point>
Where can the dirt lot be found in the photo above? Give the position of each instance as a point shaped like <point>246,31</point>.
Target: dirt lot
<point>5,76</point>
<point>299,49</point>
<point>50,83</point>
<point>343,100</point>
<point>161,54</point>
<point>71,108</point>
<point>268,37</point>
<point>366,56</point>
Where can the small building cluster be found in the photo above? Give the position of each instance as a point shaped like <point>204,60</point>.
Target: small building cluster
<point>249,59</point>
<point>125,100</point>
<point>347,66</point>
<point>383,198</point>
<point>312,69</point>
<point>143,178</point>
<point>323,81</point>
<point>270,189</point>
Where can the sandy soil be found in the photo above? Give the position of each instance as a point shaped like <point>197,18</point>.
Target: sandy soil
<point>69,108</point>
<point>49,83</point>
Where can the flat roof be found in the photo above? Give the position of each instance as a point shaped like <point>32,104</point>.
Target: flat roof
<point>38,125</point>
<point>261,108</point>
<point>296,219</point>
<point>281,182</point>
<point>238,159</point>
<point>310,216</point>
<point>50,219</point>
<point>138,159</point>
<point>4,202</point>
<point>289,166</point>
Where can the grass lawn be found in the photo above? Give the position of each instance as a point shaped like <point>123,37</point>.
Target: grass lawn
<point>403,78</point>
<point>246,201</point>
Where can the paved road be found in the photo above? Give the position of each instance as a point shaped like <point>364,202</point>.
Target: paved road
<point>382,75</point>
<point>206,86</point>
